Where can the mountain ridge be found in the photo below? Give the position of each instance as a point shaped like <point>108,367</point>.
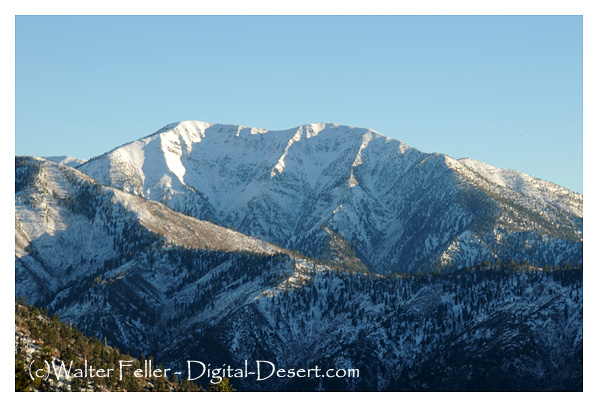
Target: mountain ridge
<point>119,267</point>
<point>288,185</point>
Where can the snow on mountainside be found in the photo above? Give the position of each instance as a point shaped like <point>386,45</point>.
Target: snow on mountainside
<point>400,209</point>
<point>150,280</point>
<point>528,186</point>
<point>66,160</point>
<point>47,215</point>
<point>64,220</point>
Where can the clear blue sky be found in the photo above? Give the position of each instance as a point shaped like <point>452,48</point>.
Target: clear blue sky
<point>503,90</point>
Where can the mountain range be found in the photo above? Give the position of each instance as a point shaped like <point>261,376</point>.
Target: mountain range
<point>401,209</point>
<point>323,244</point>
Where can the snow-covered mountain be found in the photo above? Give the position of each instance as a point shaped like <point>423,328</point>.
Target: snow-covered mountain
<point>66,160</point>
<point>151,280</point>
<point>127,247</point>
<point>68,228</point>
<point>395,208</point>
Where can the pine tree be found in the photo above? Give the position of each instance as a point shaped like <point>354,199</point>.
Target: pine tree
<point>223,386</point>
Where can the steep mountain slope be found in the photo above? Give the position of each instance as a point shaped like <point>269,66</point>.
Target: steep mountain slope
<point>71,235</point>
<point>150,280</point>
<point>469,331</point>
<point>39,338</point>
<point>401,210</point>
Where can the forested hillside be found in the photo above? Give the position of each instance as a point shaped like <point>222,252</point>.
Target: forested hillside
<point>40,338</point>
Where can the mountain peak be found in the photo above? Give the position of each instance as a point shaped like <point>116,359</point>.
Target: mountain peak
<point>184,125</point>
<point>66,160</point>
<point>311,129</point>
<point>354,180</point>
